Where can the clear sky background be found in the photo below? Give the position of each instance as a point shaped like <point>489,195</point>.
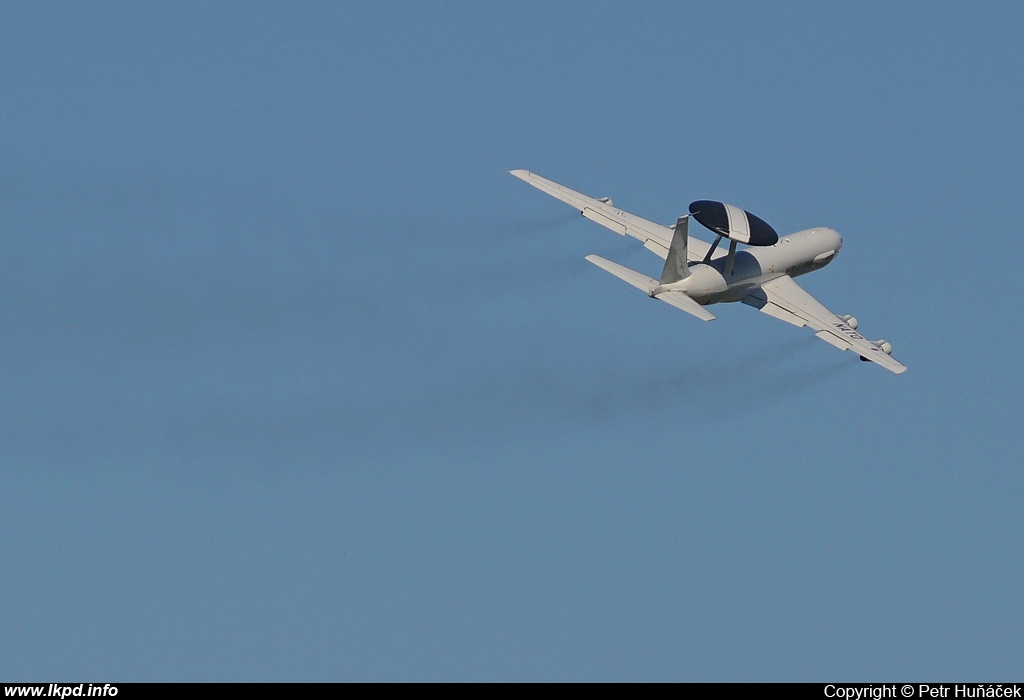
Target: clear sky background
<point>299,384</point>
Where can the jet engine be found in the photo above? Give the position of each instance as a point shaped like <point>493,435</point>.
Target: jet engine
<point>850,321</point>
<point>885,346</point>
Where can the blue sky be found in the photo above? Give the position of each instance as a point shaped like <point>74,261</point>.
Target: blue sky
<point>298,384</point>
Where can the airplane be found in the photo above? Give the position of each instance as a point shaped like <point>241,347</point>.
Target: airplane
<point>761,276</point>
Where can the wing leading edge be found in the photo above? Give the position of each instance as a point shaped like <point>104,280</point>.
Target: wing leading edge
<point>655,237</point>
<point>788,301</point>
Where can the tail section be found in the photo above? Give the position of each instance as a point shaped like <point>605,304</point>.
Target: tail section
<point>676,268</point>
<point>650,286</point>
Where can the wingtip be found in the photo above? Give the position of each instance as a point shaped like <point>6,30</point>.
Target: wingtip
<point>520,173</point>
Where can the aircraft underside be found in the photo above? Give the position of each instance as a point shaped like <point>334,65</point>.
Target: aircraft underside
<point>697,273</point>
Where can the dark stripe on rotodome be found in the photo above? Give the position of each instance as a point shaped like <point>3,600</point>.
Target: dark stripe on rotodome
<point>760,232</point>
<point>711,215</point>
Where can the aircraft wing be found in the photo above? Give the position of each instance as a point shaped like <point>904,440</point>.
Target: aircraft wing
<point>655,237</point>
<point>788,301</point>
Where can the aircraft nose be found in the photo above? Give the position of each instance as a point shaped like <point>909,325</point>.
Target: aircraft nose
<point>838,241</point>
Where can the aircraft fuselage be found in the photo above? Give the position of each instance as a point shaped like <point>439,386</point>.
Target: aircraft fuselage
<point>794,255</point>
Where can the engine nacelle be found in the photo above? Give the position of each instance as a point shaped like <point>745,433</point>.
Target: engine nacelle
<point>885,346</point>
<point>850,321</point>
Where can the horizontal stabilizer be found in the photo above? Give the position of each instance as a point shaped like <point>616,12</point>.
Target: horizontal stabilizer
<point>639,280</point>
<point>684,303</point>
<point>648,284</point>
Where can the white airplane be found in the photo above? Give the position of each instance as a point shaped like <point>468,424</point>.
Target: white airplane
<point>760,276</point>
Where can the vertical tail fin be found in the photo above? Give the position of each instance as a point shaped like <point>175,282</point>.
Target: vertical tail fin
<point>676,267</point>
